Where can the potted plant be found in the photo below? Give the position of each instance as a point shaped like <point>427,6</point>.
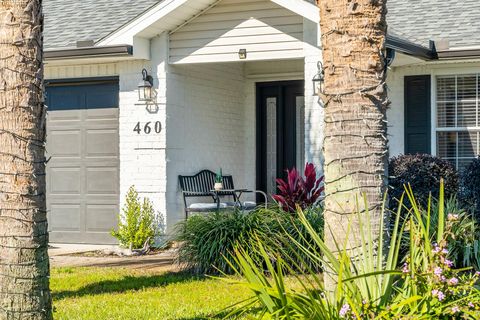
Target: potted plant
<point>219,181</point>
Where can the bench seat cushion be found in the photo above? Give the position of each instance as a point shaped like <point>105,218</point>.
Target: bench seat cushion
<point>249,205</point>
<point>207,207</point>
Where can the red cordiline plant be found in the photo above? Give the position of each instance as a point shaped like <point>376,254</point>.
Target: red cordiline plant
<point>303,191</point>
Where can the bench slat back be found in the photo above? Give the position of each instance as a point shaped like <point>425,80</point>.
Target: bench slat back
<point>203,182</point>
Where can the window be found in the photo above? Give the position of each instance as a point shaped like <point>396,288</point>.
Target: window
<point>458,123</point>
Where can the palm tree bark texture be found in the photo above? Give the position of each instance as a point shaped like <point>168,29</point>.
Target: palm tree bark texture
<point>355,101</point>
<point>24,264</point>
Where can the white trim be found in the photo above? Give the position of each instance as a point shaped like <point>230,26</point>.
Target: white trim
<point>301,7</point>
<point>127,32</point>
<point>433,114</point>
<point>195,16</point>
<point>274,76</point>
<point>143,21</point>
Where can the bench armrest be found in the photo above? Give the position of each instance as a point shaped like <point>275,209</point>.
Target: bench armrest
<point>259,192</point>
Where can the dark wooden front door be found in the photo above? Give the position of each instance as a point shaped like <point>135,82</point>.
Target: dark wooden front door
<point>280,136</point>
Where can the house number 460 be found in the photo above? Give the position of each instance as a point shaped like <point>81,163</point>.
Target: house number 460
<point>148,128</point>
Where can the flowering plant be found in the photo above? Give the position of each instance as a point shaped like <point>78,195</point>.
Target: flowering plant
<point>425,286</point>
<point>298,190</point>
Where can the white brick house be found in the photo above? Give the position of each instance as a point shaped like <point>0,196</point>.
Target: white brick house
<point>209,99</point>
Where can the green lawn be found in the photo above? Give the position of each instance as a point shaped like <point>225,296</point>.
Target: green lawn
<point>99,293</point>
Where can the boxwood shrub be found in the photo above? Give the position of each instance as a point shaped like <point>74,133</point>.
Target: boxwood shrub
<point>469,192</point>
<point>423,172</point>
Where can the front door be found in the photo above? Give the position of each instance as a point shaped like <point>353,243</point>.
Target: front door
<point>280,131</point>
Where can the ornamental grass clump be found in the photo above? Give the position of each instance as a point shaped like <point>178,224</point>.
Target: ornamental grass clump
<point>207,241</point>
<point>372,284</point>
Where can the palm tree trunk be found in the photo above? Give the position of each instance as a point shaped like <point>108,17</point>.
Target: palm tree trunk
<point>24,265</point>
<point>355,98</point>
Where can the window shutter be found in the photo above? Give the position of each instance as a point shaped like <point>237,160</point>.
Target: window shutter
<point>417,114</point>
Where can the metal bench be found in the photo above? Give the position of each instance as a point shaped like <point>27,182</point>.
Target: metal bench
<point>201,186</point>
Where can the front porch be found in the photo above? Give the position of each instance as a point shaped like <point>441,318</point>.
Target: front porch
<point>252,119</point>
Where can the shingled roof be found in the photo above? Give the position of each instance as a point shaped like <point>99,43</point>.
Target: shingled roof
<point>68,21</point>
<point>421,20</point>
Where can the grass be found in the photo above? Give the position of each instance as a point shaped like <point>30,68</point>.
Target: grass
<point>103,293</point>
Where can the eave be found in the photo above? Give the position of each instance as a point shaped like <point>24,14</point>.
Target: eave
<point>89,52</point>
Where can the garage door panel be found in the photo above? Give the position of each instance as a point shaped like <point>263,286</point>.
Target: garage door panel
<point>102,114</point>
<point>64,143</point>
<point>102,143</point>
<point>65,217</point>
<point>64,118</point>
<point>100,216</point>
<point>83,171</point>
<point>65,180</point>
<point>102,181</point>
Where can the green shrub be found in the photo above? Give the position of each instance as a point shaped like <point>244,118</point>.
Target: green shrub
<point>425,287</point>
<point>137,223</point>
<point>469,193</point>
<point>423,172</point>
<point>462,233</point>
<point>206,241</point>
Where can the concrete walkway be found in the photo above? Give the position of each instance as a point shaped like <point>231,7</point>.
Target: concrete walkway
<point>67,255</point>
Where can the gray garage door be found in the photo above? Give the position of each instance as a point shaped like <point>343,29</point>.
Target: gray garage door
<point>83,171</point>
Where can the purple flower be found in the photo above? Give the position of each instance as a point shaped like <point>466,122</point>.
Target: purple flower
<point>453,281</point>
<point>444,251</point>
<point>452,217</point>
<point>477,273</point>
<point>455,309</point>
<point>440,296</point>
<point>438,271</point>
<point>344,310</point>
<point>471,305</point>
<point>436,249</point>
<point>405,268</point>
<point>448,263</point>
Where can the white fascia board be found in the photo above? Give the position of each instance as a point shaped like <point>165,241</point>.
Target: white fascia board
<point>303,8</point>
<point>125,34</point>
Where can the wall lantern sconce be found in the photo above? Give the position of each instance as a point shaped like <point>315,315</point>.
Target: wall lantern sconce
<point>390,57</point>
<point>319,80</point>
<point>145,87</point>
<point>242,54</point>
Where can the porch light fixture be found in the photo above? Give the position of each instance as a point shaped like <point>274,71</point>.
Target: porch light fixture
<point>145,87</point>
<point>319,80</point>
<point>242,54</point>
<point>390,56</point>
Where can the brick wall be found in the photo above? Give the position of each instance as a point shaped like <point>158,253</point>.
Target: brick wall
<point>205,125</point>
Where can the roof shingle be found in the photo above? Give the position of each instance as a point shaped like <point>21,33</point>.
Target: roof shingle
<point>422,20</point>
<point>67,21</point>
